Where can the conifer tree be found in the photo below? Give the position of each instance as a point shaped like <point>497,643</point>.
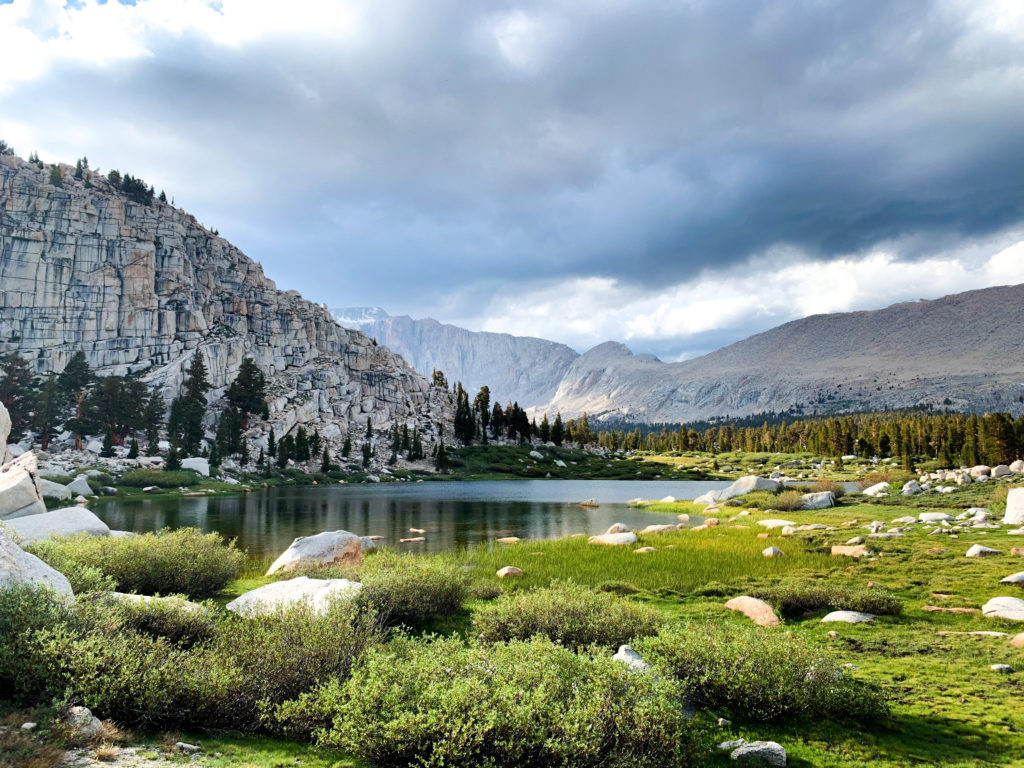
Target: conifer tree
<point>133,450</point>
<point>46,411</point>
<point>248,392</point>
<point>17,392</point>
<point>366,454</point>
<point>346,447</point>
<point>271,444</point>
<point>441,459</point>
<point>173,462</point>
<point>325,462</point>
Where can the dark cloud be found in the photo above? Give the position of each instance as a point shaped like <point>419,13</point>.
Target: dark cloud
<point>423,167</point>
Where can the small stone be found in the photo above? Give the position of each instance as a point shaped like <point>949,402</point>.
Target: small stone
<point>979,551</point>
<point>855,541</point>
<point>1017,551</point>
<point>28,727</point>
<point>763,535</point>
<point>1017,641</point>
<point>761,752</point>
<point>758,611</point>
<point>848,617</point>
<point>723,723</point>
<point>509,571</point>
<point>508,540</point>
<point>832,635</point>
<point>858,550</point>
<point>644,550</point>
<point>1004,668</point>
<point>772,552</point>
<point>188,749</point>
<point>936,551</point>
<point>631,659</point>
<point>1013,578</point>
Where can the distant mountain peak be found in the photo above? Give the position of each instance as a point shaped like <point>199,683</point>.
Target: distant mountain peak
<point>353,317</point>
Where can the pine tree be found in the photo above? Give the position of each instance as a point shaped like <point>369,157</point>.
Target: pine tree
<point>248,392</point>
<point>325,462</point>
<point>301,445</point>
<point>271,444</point>
<point>17,392</point>
<point>189,409</point>
<point>366,454</point>
<point>133,450</point>
<point>346,447</point>
<point>441,459</point>
<point>557,430</point>
<point>545,429</point>
<point>215,455</point>
<point>243,454</point>
<point>173,462</point>
<point>369,429</point>
<point>56,178</point>
<point>75,382</point>
<point>46,410</point>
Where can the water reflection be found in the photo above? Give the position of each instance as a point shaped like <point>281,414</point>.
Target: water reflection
<point>455,515</point>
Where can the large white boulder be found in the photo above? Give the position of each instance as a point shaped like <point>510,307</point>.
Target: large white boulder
<point>60,522</point>
<point>1011,608</point>
<point>325,548</point>
<point>1017,467</point>
<point>80,486</point>
<point>820,500</point>
<point>760,752</point>
<point>748,484</point>
<point>934,517</point>
<point>626,655</point>
<point>5,430</point>
<point>1014,507</point>
<point>200,465</point>
<point>848,617</point>
<point>19,488</point>
<point>53,490</point>
<point>877,489</point>
<point>775,523</point>
<point>318,594</point>
<point>981,470</point>
<point>19,567</point>
<point>1001,470</point>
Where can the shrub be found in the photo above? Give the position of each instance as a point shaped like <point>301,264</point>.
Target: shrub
<point>99,482</point>
<point>784,501</point>
<point>24,609</point>
<point>143,478</point>
<point>442,703</point>
<point>182,561</point>
<point>793,600</point>
<point>183,624</point>
<point>758,675</point>
<point>567,614</point>
<point>125,670</point>
<point>484,590</point>
<point>412,589</point>
<point>892,476</point>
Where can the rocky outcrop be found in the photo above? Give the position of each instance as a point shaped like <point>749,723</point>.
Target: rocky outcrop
<point>958,352</point>
<point>19,567</point>
<point>20,494</point>
<point>518,369</point>
<point>141,288</point>
<point>59,522</point>
<point>5,431</point>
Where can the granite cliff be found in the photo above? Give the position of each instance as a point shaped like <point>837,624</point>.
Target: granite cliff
<point>518,369</point>
<point>140,288</point>
<point>962,352</point>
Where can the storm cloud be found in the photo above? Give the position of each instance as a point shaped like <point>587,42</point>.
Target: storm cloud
<point>510,165</point>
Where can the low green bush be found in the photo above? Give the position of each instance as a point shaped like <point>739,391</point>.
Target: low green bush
<point>412,589</point>
<point>443,703</point>
<point>568,614</point>
<point>182,561</point>
<point>183,624</point>
<point>143,478</point>
<point>99,482</point>
<point>793,600</point>
<point>759,675</point>
<point>25,609</point>
<point>821,486</point>
<point>783,501</point>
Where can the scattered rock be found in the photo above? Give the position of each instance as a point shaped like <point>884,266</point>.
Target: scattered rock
<point>508,540</point>
<point>977,550</point>
<point>1013,578</point>
<point>1014,514</point>
<point>848,617</point>
<point>20,494</point>
<point>659,529</point>
<point>1017,641</point>
<point>1004,668</point>
<point>758,611</point>
<point>614,539</point>
<point>858,550</point>
<point>29,727</point>
<point>764,535</point>
<point>51,490</point>
<point>934,517</point>
<point>197,464</point>
<point>772,552</point>
<point>82,722</point>
<point>412,540</point>
<point>509,571</point>
<point>631,659</point>
<point>936,551</point>
<point>1011,608</point>
<point>317,593</point>
<point>188,749</point>
<point>775,523</point>
<point>821,500</point>
<point>324,548</point>
<point>855,541</point>
<point>876,490</point>
<point>644,550</point>
<point>945,609</point>
<point>761,752</point>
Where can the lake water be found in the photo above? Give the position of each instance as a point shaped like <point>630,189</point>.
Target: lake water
<point>453,514</point>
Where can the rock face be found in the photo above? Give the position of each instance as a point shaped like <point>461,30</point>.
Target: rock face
<point>5,431</point>
<point>967,356</point>
<point>60,522</point>
<point>19,567</point>
<point>515,368</point>
<point>318,594</point>
<point>20,494</point>
<point>324,548</point>
<point>141,288</point>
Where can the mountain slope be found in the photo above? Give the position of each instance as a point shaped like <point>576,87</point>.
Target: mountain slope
<point>963,351</point>
<point>140,288</point>
<point>516,368</point>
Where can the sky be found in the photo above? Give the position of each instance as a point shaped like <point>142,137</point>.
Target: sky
<point>672,174</point>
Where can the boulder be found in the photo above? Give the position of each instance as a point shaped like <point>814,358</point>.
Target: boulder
<point>51,490</point>
<point>669,500</point>
<point>848,617</point>
<point>19,567</point>
<point>1013,578</point>
<point>852,550</point>
<point>821,500</point>
<point>20,494</point>
<point>1014,507</point>
<point>775,523</point>
<point>659,529</point>
<point>631,659</point>
<point>509,571</point>
<point>1011,608</point>
<point>324,548</point>
<point>317,593</point>
<point>876,490</point>
<point>5,431</point>
<point>760,753</point>
<point>772,552</point>
<point>614,539</point>
<point>1001,470</point>
<point>536,455</point>
<point>644,550</point>
<point>80,486</point>
<point>1017,467</point>
<point>82,723</point>
<point>934,517</point>
<point>977,550</point>
<point>981,470</point>
<point>747,484</point>
<point>758,611</point>
<point>197,464</point>
<point>618,528</point>
<point>59,522</point>
<point>911,488</point>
